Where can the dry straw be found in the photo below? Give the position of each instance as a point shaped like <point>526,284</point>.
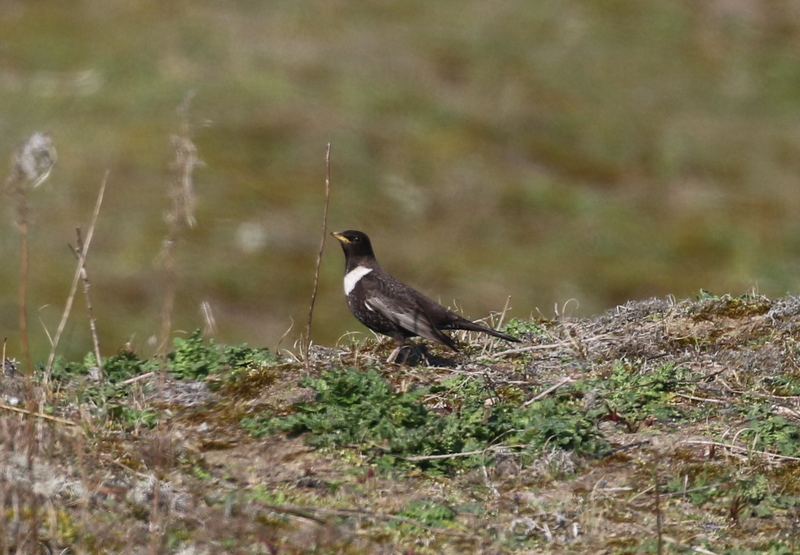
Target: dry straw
<point>179,217</point>
<point>30,167</point>
<point>307,341</point>
<point>80,272</point>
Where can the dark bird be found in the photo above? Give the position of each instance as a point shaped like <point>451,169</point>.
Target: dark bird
<point>392,308</point>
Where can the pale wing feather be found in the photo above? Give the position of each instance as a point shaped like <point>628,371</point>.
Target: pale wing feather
<point>412,319</point>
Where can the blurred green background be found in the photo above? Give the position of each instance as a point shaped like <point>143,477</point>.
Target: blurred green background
<point>598,150</point>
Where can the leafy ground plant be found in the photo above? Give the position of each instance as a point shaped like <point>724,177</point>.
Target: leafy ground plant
<point>358,409</point>
<point>219,367</point>
<point>557,448</point>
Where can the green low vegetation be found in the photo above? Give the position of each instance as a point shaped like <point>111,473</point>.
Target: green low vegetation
<point>577,441</point>
<point>358,409</point>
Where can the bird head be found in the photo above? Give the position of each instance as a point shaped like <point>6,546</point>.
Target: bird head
<point>356,246</point>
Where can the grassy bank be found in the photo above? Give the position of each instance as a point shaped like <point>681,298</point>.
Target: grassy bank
<point>658,422</point>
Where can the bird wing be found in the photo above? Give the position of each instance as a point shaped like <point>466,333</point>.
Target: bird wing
<point>410,317</point>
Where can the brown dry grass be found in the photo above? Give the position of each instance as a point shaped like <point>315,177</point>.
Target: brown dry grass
<point>220,491</point>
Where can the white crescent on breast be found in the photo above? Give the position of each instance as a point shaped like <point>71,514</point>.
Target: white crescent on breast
<point>352,278</point>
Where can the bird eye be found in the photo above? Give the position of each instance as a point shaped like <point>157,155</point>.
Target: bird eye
<point>356,239</point>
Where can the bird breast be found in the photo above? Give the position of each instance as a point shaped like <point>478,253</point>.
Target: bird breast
<point>352,278</point>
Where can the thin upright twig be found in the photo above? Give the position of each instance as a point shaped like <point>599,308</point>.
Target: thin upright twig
<point>31,165</point>
<point>77,276</point>
<point>659,514</point>
<point>86,285</point>
<point>157,519</point>
<point>307,342</point>
<point>506,308</point>
<point>178,218</point>
<point>210,323</point>
<point>180,215</point>
<point>497,325</point>
<point>22,214</point>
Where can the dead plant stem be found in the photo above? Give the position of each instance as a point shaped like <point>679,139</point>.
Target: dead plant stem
<point>741,449</point>
<point>38,415</point>
<point>86,285</point>
<point>307,342</point>
<point>180,216</point>
<point>307,512</point>
<point>75,278</point>
<point>659,515</point>
<point>155,520</point>
<point>547,391</point>
<point>16,182</point>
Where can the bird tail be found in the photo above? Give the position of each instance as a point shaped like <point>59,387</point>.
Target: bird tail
<point>474,326</point>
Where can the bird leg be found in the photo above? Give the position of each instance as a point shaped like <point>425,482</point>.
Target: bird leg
<point>393,356</point>
<point>408,350</point>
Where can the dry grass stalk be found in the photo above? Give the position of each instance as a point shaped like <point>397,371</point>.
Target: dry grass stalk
<point>157,521</point>
<point>307,342</point>
<point>178,218</point>
<point>547,391</point>
<point>209,322</point>
<point>79,253</point>
<point>4,487</point>
<point>488,343</point>
<point>464,453</point>
<point>180,215</point>
<point>769,457</point>
<point>30,166</point>
<point>307,513</point>
<point>659,514</point>
<point>82,252</point>
<point>41,415</point>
